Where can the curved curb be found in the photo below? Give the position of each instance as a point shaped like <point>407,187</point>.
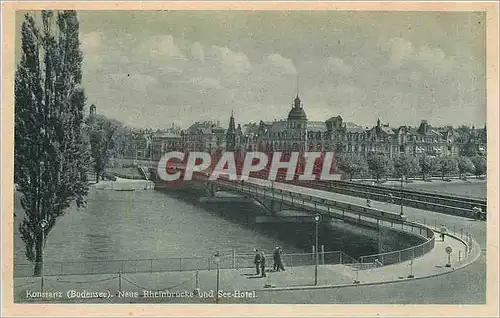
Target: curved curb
<point>471,259</point>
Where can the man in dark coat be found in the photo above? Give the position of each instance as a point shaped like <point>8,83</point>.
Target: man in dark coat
<point>256,261</point>
<point>276,258</point>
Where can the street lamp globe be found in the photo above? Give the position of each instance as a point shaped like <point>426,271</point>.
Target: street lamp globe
<point>217,258</point>
<point>43,224</point>
<point>317,217</point>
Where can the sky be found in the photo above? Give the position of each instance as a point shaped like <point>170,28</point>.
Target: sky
<point>155,68</point>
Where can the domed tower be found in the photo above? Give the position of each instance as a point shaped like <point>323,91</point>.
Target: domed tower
<point>297,124</point>
<point>297,118</point>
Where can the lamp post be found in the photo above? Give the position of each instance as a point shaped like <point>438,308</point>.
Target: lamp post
<point>43,224</point>
<point>401,196</point>
<point>317,219</point>
<point>217,261</point>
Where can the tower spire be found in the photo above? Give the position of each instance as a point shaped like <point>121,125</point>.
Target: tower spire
<point>297,84</point>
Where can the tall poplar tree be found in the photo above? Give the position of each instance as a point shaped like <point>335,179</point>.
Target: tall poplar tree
<point>50,157</point>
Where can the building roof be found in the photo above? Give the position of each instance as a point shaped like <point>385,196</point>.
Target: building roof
<point>251,128</point>
<point>388,130</point>
<point>334,118</point>
<point>279,126</point>
<point>316,126</point>
<point>166,135</point>
<point>353,128</point>
<point>205,128</point>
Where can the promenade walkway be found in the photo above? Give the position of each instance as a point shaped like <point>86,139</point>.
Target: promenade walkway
<point>241,280</point>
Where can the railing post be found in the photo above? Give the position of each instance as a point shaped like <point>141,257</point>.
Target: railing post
<point>313,253</point>
<point>382,259</point>
<point>234,258</point>
<point>120,281</point>
<point>180,264</point>
<point>323,254</point>
<point>197,281</point>
<point>399,254</point>
<point>461,233</point>
<point>209,264</point>
<point>340,258</point>
<point>151,266</point>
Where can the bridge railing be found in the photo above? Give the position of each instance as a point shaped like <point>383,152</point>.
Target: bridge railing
<point>407,254</point>
<point>356,214</point>
<point>229,260</point>
<point>333,207</point>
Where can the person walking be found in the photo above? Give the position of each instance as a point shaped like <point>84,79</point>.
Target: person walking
<point>280,260</point>
<point>257,261</point>
<point>276,258</point>
<point>443,231</point>
<point>263,264</point>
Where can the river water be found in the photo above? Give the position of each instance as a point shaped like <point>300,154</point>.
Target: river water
<point>173,223</point>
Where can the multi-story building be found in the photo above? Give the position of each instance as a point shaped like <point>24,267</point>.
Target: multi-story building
<point>297,133</point>
<point>205,136</point>
<point>164,141</point>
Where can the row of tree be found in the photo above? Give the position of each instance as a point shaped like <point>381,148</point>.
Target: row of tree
<point>379,166</point>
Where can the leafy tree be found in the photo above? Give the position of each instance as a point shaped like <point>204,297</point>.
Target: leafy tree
<point>480,165</point>
<point>447,165</point>
<point>468,141</point>
<point>406,165</point>
<point>379,165</point>
<point>49,153</point>
<point>427,165</point>
<point>465,165</point>
<point>103,137</point>
<point>352,165</point>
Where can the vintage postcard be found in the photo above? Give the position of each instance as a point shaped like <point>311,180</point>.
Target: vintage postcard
<point>250,154</point>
